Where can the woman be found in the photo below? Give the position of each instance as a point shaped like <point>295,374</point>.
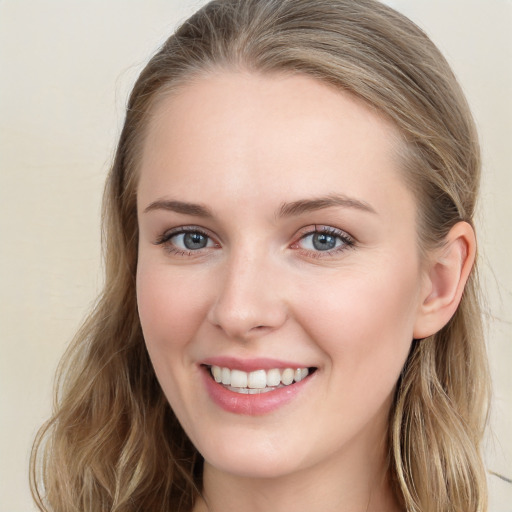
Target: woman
<point>290,266</point>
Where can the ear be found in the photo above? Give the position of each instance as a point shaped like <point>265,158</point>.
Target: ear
<point>447,271</point>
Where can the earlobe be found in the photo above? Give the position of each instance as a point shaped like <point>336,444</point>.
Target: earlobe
<point>447,273</point>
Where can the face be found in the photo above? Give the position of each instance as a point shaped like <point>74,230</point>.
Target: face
<point>278,255</point>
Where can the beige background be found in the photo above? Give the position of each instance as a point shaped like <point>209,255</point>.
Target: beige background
<point>66,68</point>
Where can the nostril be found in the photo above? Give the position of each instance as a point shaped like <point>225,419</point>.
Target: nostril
<point>259,328</point>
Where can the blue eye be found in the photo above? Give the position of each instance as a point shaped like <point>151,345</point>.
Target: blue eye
<point>327,240</point>
<point>322,241</point>
<point>191,241</point>
<point>185,241</point>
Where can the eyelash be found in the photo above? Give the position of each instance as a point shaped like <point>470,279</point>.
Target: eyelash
<point>165,240</point>
<point>347,241</point>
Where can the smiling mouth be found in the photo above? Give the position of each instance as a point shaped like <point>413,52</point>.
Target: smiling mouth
<point>258,381</point>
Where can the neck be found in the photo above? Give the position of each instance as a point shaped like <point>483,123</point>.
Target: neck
<point>357,482</point>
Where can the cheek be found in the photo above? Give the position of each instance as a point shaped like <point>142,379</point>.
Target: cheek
<point>171,311</point>
<point>171,307</point>
<point>364,321</point>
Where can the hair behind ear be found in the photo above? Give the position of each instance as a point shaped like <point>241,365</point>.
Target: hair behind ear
<point>441,404</point>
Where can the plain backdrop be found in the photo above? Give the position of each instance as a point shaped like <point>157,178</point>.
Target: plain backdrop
<point>66,68</point>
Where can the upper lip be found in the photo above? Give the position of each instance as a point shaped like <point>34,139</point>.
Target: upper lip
<point>250,365</point>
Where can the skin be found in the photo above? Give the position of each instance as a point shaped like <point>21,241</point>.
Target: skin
<point>241,145</point>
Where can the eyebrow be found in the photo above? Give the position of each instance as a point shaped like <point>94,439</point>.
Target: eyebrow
<point>294,208</point>
<point>308,205</point>
<point>194,209</point>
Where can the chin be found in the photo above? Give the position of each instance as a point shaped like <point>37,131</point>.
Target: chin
<point>255,453</point>
<point>246,466</point>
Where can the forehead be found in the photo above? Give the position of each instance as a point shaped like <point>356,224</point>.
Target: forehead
<point>259,137</point>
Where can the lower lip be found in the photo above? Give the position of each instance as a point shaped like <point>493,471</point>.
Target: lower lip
<point>251,405</point>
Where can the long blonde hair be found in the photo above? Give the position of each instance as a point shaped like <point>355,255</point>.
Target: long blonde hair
<point>113,442</point>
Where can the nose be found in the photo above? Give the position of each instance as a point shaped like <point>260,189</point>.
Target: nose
<point>250,300</point>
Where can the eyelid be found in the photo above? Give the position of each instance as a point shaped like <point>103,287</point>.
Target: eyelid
<point>323,228</point>
<point>165,240</point>
<point>169,233</point>
<point>348,241</point>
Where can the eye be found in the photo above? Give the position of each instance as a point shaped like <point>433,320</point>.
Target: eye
<point>185,241</point>
<point>191,241</point>
<point>323,239</point>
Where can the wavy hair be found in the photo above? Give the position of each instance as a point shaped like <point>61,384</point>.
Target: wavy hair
<point>113,442</point>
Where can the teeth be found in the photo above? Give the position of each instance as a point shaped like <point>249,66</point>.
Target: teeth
<point>238,379</point>
<point>217,373</point>
<point>300,373</point>
<point>287,376</point>
<point>255,382</point>
<point>226,376</point>
<point>273,377</point>
<point>258,379</point>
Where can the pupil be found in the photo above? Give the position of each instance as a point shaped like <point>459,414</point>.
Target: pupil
<point>323,242</point>
<point>194,241</point>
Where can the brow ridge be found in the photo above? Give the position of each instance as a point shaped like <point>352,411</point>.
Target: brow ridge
<point>308,205</point>
<point>291,209</point>
<point>197,210</point>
